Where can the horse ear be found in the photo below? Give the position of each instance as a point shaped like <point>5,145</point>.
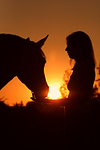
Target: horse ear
<point>28,39</point>
<point>41,42</point>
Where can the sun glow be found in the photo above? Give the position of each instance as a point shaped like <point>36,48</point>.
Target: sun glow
<point>54,92</point>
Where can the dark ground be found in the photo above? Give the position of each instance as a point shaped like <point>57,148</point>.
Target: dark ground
<point>40,127</point>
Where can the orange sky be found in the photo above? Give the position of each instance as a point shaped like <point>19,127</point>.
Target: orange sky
<point>58,18</point>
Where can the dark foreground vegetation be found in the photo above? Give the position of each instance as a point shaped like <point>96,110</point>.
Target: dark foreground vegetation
<point>37,126</point>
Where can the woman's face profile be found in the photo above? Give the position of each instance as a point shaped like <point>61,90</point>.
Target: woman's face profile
<point>70,50</point>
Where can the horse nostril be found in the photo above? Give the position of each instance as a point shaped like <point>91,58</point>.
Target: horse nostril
<point>48,91</point>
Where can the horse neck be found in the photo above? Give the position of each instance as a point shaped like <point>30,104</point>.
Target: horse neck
<point>8,70</point>
<point>10,56</point>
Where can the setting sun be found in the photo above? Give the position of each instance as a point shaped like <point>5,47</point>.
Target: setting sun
<point>54,92</point>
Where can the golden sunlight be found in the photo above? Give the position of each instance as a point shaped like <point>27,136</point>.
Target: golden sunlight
<point>54,92</point>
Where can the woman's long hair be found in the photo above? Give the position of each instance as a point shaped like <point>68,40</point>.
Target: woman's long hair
<point>82,45</point>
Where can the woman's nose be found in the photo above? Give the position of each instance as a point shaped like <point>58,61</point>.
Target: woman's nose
<point>66,49</point>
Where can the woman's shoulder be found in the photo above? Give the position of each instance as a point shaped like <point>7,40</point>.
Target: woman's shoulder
<point>87,64</point>
<point>87,69</point>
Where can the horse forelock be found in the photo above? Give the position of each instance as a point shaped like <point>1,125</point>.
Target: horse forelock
<point>42,54</point>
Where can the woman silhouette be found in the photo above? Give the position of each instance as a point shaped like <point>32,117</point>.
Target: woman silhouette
<point>79,48</point>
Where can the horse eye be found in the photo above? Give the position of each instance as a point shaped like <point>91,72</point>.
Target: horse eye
<point>44,61</point>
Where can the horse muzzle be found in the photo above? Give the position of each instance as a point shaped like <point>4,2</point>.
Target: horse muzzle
<point>41,94</point>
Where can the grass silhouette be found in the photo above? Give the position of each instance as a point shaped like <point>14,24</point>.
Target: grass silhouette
<point>38,126</point>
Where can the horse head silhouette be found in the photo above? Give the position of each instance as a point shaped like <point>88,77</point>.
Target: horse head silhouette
<point>23,58</point>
